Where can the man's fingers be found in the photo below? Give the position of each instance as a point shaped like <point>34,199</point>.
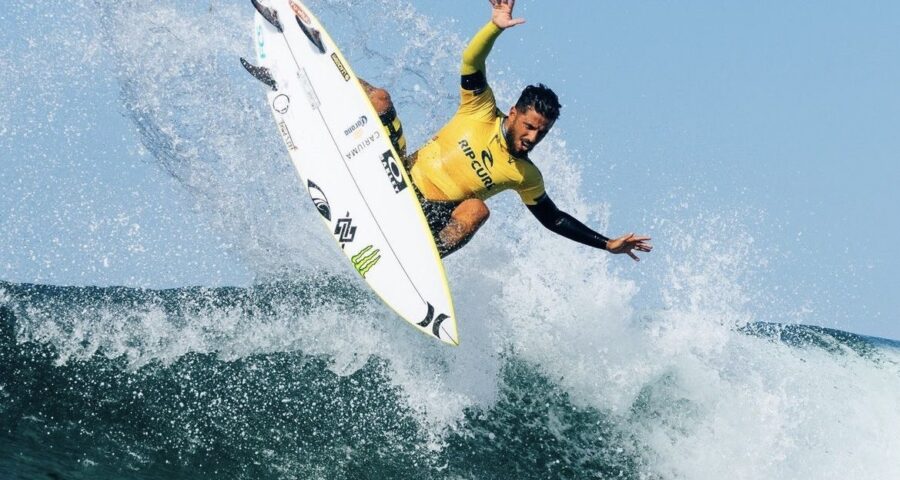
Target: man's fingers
<point>628,242</point>
<point>516,21</point>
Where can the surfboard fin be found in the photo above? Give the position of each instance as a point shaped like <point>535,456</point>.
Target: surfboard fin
<point>269,14</point>
<point>260,73</point>
<point>312,34</point>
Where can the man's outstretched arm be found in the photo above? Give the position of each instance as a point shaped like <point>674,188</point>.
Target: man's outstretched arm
<point>562,223</point>
<point>475,55</point>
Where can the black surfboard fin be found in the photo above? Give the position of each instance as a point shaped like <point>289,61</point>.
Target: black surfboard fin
<point>312,34</point>
<point>269,14</point>
<point>261,73</point>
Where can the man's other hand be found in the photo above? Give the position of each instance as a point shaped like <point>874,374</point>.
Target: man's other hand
<point>629,242</point>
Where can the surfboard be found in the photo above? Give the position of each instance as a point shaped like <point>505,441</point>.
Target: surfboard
<point>345,161</point>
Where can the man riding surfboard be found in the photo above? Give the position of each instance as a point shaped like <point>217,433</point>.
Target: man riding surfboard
<point>481,152</point>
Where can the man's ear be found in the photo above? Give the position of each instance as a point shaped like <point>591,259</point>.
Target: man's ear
<point>513,112</point>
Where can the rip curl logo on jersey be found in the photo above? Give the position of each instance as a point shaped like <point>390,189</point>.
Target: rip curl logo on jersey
<point>393,171</point>
<point>483,174</point>
<point>487,159</point>
<point>281,103</point>
<point>340,66</point>
<point>467,150</point>
<point>482,167</point>
<point>365,259</point>
<point>360,122</point>
<point>319,199</point>
<point>429,318</point>
<point>345,230</point>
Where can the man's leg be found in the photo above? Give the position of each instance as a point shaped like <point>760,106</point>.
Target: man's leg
<point>384,106</point>
<point>465,220</point>
<point>379,97</point>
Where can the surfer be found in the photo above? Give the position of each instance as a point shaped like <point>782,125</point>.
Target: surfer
<point>481,152</point>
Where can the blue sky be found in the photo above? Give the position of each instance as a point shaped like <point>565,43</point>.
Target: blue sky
<point>784,114</point>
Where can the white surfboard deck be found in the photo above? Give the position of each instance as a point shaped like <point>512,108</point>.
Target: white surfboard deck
<point>345,160</point>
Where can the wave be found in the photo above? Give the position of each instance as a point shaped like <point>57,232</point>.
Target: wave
<point>159,382</point>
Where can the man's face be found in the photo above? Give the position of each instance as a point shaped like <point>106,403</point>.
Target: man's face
<point>525,130</point>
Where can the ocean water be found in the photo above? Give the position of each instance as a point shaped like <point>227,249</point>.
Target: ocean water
<point>262,383</point>
<point>566,369</point>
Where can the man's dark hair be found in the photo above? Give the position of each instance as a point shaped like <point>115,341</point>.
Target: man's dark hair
<point>541,99</point>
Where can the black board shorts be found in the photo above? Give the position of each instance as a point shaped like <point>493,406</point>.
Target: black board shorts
<point>438,214</point>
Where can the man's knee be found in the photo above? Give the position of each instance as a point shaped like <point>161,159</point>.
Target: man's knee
<point>466,219</point>
<point>381,100</point>
<point>473,211</point>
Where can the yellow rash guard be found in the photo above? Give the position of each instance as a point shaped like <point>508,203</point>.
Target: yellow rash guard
<point>469,158</point>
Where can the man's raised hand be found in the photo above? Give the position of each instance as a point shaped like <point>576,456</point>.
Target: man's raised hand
<point>627,243</point>
<point>502,14</point>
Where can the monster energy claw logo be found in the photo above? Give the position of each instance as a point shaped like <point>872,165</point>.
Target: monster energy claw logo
<point>366,259</point>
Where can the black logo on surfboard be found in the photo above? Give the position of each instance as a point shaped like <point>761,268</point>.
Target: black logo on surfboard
<point>345,230</point>
<point>281,103</point>
<point>429,318</point>
<point>393,171</point>
<point>319,199</point>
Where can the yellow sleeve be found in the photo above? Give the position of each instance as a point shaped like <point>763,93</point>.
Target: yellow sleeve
<point>476,97</point>
<point>532,187</point>
<point>475,55</point>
